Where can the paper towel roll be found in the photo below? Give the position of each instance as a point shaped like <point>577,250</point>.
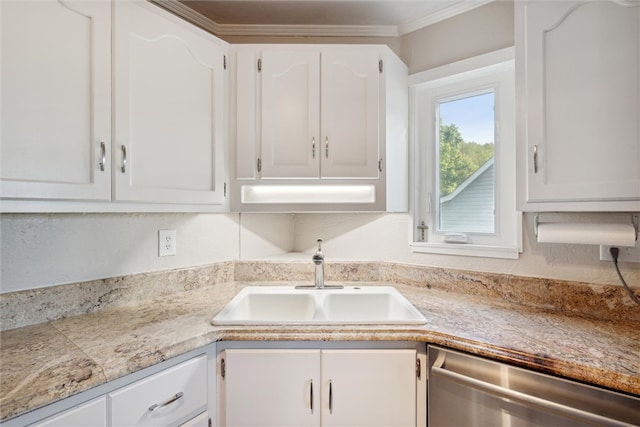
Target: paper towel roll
<point>588,234</point>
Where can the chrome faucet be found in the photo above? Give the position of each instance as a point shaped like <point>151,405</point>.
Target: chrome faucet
<point>318,260</point>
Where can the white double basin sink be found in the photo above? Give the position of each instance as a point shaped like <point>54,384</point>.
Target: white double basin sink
<point>287,305</point>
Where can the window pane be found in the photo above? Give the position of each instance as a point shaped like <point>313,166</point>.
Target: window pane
<point>466,185</point>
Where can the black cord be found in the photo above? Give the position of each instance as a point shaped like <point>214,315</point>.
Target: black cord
<point>614,256</point>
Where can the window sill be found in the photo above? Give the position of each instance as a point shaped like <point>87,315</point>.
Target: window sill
<point>464,249</point>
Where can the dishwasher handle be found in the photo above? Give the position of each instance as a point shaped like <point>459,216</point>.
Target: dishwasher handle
<point>438,368</point>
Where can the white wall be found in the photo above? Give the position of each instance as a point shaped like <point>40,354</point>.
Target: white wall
<point>38,250</point>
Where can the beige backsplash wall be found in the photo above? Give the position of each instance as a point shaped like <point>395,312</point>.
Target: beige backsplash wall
<point>39,250</point>
<point>386,237</point>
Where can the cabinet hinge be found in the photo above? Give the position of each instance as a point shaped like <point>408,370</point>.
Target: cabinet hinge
<point>210,423</point>
<point>418,369</point>
<point>224,61</point>
<point>259,165</point>
<point>223,368</point>
<point>259,64</point>
<point>380,165</point>
<point>224,189</point>
<point>380,63</point>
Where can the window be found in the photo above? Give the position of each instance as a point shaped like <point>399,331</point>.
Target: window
<point>464,144</point>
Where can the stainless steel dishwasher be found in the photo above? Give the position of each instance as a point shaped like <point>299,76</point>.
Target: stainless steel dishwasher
<point>466,390</point>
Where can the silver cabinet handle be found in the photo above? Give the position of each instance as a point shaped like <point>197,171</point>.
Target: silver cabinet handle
<point>438,368</point>
<point>330,397</point>
<point>311,395</point>
<point>313,148</point>
<point>103,156</point>
<point>326,147</point>
<point>535,159</point>
<point>124,159</point>
<point>169,401</point>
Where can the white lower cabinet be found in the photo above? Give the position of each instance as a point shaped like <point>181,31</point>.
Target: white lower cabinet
<point>201,420</point>
<point>90,414</point>
<point>163,399</point>
<point>318,387</point>
<point>173,397</point>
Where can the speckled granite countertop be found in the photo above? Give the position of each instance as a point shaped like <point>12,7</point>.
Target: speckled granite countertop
<point>48,361</point>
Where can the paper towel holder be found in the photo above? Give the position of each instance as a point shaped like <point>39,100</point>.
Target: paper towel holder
<point>634,221</point>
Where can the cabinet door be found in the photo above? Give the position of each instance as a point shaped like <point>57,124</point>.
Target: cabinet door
<point>270,388</point>
<point>582,100</point>
<point>290,145</point>
<point>201,420</point>
<point>55,112</point>
<point>90,414</point>
<point>369,388</point>
<point>169,102</point>
<point>350,113</point>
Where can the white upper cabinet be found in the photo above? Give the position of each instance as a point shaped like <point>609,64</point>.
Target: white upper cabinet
<point>320,113</point>
<point>290,114</point>
<point>578,66</point>
<point>55,113</point>
<point>319,127</point>
<point>169,108</point>
<point>60,73</point>
<point>349,141</point>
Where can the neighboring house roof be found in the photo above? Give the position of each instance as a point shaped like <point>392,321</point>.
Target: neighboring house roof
<point>482,169</point>
<point>471,207</point>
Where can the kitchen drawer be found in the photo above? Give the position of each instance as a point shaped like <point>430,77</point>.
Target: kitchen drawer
<point>90,414</point>
<point>164,399</point>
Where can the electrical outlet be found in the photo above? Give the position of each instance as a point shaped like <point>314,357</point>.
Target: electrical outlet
<point>625,254</point>
<point>167,242</point>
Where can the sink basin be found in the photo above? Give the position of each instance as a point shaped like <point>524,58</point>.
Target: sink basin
<point>367,306</point>
<point>269,307</point>
<point>272,305</point>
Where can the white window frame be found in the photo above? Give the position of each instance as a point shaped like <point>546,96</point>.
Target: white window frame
<point>492,71</point>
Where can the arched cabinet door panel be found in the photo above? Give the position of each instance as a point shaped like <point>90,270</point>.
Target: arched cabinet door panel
<point>579,90</point>
<point>169,109</point>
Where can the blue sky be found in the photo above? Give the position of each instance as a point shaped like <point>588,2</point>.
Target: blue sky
<point>473,115</point>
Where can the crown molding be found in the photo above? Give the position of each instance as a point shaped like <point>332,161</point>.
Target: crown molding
<point>309,30</point>
<point>440,15</point>
<point>177,8</point>
<point>406,27</point>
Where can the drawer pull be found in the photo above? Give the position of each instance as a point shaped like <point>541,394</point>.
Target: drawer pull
<point>166,402</point>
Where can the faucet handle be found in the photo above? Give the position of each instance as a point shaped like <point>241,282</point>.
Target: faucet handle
<point>318,257</point>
